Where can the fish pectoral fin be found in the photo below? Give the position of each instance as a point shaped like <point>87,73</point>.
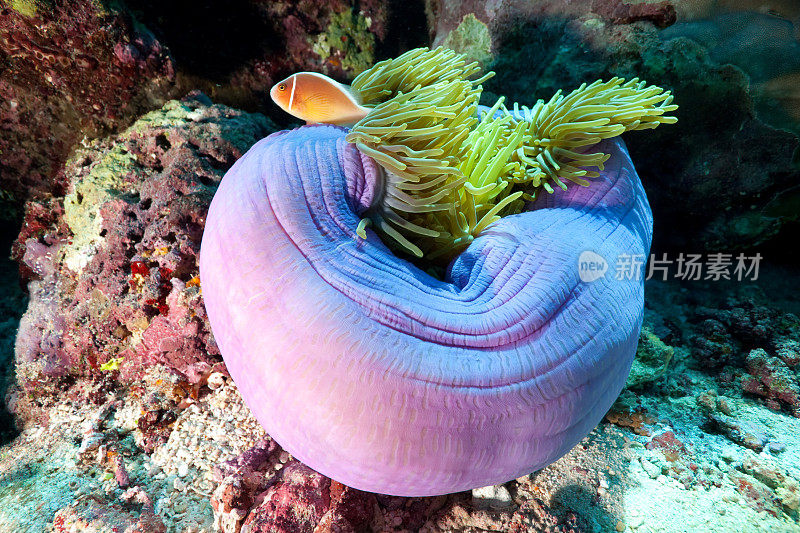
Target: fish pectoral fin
<point>351,119</point>
<point>318,101</point>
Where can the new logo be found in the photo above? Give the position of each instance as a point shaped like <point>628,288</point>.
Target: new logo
<point>591,266</point>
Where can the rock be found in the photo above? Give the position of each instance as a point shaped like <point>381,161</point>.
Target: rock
<point>136,495</point>
<point>121,473</point>
<point>471,38</point>
<point>652,470</point>
<point>777,447</point>
<point>725,334</point>
<point>296,504</point>
<point>628,413</point>
<point>536,515</point>
<point>231,503</point>
<point>789,495</point>
<point>249,463</point>
<point>661,14</point>
<point>351,510</point>
<point>241,479</point>
<point>216,380</point>
<point>476,520</point>
<point>788,350</point>
<point>770,378</point>
<point>755,493</point>
<point>714,345</point>
<point>733,36</point>
<point>114,284</point>
<point>721,413</point>
<point>89,515</point>
<point>69,69</point>
<point>652,358</point>
<point>294,499</point>
<point>492,498</point>
<point>767,472</point>
<point>672,448</point>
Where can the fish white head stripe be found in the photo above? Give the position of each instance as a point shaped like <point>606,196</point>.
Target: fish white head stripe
<point>294,85</point>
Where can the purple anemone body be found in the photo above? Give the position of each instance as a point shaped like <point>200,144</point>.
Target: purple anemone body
<point>388,380</point>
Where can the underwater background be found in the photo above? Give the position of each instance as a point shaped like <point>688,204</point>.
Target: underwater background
<point>118,119</point>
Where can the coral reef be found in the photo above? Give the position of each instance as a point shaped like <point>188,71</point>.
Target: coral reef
<point>163,452</point>
<point>731,328</point>
<point>652,358</point>
<point>69,70</point>
<point>127,431</point>
<point>771,378</point>
<point>79,69</point>
<point>543,46</point>
<point>114,268</point>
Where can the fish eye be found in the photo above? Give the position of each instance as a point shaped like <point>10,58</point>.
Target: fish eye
<point>282,87</point>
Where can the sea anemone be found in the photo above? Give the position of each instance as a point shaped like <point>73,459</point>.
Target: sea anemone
<point>454,167</point>
<point>386,378</point>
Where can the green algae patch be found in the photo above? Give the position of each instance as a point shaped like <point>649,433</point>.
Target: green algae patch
<point>106,178</point>
<point>652,358</point>
<point>26,8</point>
<point>347,42</point>
<point>30,8</point>
<point>173,113</point>
<point>112,364</point>
<point>471,38</point>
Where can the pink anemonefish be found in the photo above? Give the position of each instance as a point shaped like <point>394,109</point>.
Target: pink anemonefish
<point>317,98</point>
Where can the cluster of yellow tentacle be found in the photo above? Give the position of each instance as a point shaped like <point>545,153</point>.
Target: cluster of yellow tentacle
<point>452,170</point>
